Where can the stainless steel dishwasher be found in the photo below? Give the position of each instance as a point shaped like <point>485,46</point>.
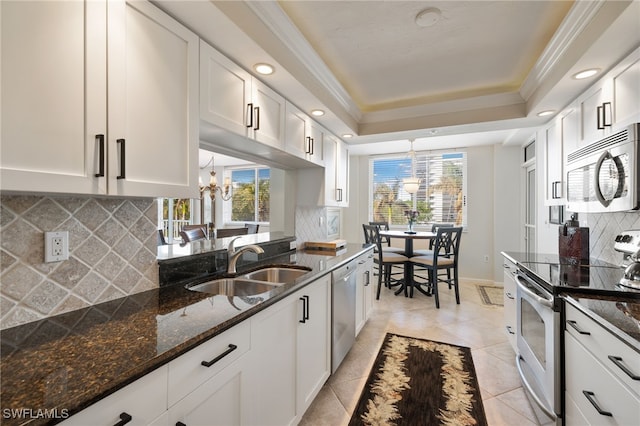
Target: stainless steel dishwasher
<point>343,317</point>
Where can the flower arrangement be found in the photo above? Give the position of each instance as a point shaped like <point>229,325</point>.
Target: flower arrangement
<point>412,217</point>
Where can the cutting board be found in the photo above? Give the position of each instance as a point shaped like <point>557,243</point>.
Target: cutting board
<point>325,245</point>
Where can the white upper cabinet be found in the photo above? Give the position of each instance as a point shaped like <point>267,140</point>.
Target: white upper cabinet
<point>336,172</point>
<point>84,112</point>
<point>304,138</point>
<point>235,101</point>
<point>612,102</point>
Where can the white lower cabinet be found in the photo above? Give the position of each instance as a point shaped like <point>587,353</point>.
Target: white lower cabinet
<point>313,346</point>
<point>138,403</point>
<point>509,295</point>
<point>364,290</point>
<point>598,390</point>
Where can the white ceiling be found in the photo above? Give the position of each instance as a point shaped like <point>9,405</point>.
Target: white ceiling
<point>479,75</point>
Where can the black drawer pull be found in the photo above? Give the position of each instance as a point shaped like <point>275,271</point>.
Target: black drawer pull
<point>257,110</point>
<point>575,326</point>
<point>124,419</point>
<point>304,310</point>
<point>100,139</point>
<point>589,395</point>
<point>180,424</point>
<point>617,360</point>
<point>250,115</point>
<point>232,348</point>
<point>510,330</point>
<point>122,174</point>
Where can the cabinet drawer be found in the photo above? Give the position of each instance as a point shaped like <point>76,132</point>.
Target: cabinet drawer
<point>187,372</point>
<point>583,373</point>
<point>143,400</point>
<point>614,354</point>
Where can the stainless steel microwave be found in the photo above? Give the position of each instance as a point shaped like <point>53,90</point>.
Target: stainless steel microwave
<point>603,176</point>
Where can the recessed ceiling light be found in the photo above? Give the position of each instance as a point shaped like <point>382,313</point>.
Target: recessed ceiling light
<point>586,73</point>
<point>264,69</point>
<point>428,17</point>
<point>317,112</point>
<point>347,135</point>
<point>545,113</point>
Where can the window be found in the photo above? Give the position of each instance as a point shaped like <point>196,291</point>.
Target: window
<point>250,202</point>
<point>440,198</point>
<point>173,214</point>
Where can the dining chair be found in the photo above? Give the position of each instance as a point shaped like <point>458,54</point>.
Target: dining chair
<point>161,240</point>
<point>386,241</point>
<point>445,257</point>
<point>434,229</point>
<point>230,232</point>
<point>192,234</point>
<point>203,226</point>
<point>384,260</point>
<point>252,228</point>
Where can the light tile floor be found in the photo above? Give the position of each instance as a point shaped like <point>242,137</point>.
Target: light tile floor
<point>470,324</point>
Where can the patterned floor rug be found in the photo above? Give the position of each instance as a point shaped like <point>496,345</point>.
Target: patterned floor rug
<point>491,294</point>
<point>420,382</point>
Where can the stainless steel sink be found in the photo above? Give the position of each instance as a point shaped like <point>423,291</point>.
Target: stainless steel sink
<point>280,275</point>
<point>233,287</point>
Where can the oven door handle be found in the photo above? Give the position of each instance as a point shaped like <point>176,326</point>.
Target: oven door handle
<point>528,387</point>
<point>520,280</point>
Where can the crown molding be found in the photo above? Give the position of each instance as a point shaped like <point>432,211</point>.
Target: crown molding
<point>277,21</point>
<point>578,18</point>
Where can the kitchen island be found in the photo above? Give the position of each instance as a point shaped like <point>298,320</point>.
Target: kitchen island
<point>67,362</point>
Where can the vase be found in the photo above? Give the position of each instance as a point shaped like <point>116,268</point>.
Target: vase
<point>410,227</point>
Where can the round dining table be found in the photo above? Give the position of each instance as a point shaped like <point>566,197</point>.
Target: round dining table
<point>408,281</point>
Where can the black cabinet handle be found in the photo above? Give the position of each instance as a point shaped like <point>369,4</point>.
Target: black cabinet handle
<point>304,310</point>
<point>600,114</point>
<point>180,424</point>
<point>100,139</point>
<point>307,148</point>
<point>338,194</point>
<point>122,159</point>
<point>257,110</point>
<point>509,295</point>
<point>555,193</point>
<point>250,115</point>
<point>617,360</point>
<point>607,116</point>
<point>124,419</point>
<point>510,330</point>
<point>313,142</point>
<point>589,395</point>
<point>575,326</point>
<point>367,275</point>
<point>308,310</point>
<point>219,357</point>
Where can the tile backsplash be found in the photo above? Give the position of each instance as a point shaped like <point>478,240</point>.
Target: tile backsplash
<point>112,253</point>
<point>603,228</point>
<point>308,228</point>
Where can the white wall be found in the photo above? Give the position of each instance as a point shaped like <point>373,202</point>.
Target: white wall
<point>484,222</point>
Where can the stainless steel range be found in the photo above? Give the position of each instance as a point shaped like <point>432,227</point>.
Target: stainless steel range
<point>541,280</point>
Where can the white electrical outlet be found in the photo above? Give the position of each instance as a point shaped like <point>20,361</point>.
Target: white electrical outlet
<point>56,246</point>
<point>486,258</point>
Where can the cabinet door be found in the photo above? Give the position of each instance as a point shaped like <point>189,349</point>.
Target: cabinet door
<point>317,143</point>
<point>272,370</point>
<point>53,95</point>
<point>268,115</point>
<point>342,174</point>
<point>589,120</point>
<point>313,356</point>
<point>330,171</point>
<point>153,103</point>
<point>553,165</point>
<point>297,140</point>
<point>368,287</point>
<point>570,132</point>
<point>219,401</point>
<point>626,87</point>
<point>225,91</point>
<point>143,400</point>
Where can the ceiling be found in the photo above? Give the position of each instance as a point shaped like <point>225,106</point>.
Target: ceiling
<point>475,67</point>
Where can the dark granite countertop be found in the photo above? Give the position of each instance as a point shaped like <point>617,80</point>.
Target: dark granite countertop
<point>592,287</point>
<point>72,360</point>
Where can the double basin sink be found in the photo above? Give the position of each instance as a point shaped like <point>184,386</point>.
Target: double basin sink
<point>251,283</point>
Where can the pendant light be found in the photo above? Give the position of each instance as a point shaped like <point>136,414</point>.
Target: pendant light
<point>412,184</point>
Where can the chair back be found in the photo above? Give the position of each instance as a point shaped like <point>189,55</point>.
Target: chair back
<point>161,239</point>
<point>447,243</point>
<point>372,236</point>
<point>203,226</point>
<point>385,227</point>
<point>434,229</point>
<point>193,234</point>
<point>230,232</point>
<point>252,228</point>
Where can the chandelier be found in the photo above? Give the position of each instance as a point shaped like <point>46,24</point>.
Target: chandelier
<point>224,190</point>
<point>412,184</point>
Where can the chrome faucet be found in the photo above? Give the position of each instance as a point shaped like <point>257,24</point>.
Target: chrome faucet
<point>233,255</point>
